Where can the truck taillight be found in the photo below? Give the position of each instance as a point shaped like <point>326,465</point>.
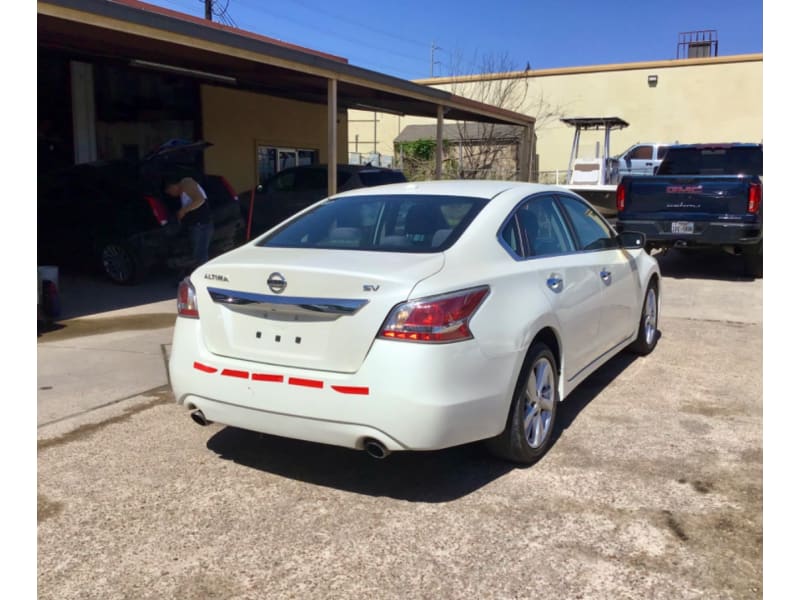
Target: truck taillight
<point>187,300</point>
<point>159,210</point>
<point>435,319</point>
<point>621,193</point>
<point>754,198</point>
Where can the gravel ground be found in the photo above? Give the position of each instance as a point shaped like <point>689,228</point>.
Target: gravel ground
<point>652,489</point>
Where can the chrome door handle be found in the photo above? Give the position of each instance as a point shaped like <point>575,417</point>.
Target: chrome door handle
<point>605,276</point>
<point>555,283</point>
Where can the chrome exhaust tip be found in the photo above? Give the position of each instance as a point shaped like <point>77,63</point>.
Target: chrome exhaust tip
<point>376,449</point>
<point>199,418</point>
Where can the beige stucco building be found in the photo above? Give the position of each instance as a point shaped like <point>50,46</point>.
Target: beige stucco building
<point>715,99</point>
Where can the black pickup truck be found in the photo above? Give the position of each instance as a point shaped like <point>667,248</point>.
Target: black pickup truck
<point>703,195</point>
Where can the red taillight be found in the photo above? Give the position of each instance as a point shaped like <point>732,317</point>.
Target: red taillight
<point>435,319</point>
<point>187,300</point>
<point>754,198</point>
<point>159,210</point>
<point>229,187</point>
<point>621,192</point>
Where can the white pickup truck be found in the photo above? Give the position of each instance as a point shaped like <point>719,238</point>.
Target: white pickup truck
<point>642,158</point>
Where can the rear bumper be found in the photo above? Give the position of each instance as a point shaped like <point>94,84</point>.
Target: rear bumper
<point>659,233</point>
<point>407,396</point>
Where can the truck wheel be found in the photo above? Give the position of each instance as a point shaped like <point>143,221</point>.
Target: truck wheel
<point>754,261</point>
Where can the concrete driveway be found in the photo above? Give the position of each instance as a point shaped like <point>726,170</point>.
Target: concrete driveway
<point>652,488</point>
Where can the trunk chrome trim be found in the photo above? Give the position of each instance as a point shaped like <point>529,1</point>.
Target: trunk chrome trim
<point>251,302</point>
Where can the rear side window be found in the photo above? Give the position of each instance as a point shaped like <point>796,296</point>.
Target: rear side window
<point>719,160</point>
<point>662,151</point>
<point>402,223</point>
<point>542,228</point>
<point>372,178</point>
<point>311,179</point>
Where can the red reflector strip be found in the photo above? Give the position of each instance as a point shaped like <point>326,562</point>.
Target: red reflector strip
<point>204,368</point>
<point>267,377</point>
<point>312,383</point>
<point>234,373</point>
<point>346,389</point>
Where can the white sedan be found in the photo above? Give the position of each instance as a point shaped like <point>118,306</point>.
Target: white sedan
<point>414,317</point>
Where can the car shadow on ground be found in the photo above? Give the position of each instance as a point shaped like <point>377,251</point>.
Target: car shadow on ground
<point>589,389</point>
<point>436,476</point>
<point>701,264</point>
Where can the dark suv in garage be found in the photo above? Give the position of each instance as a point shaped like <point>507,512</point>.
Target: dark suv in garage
<point>113,216</point>
<point>291,190</point>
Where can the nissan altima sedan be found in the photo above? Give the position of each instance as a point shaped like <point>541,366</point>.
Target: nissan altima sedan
<point>414,317</point>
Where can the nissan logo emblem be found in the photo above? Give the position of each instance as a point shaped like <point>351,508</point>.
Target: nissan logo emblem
<point>276,282</point>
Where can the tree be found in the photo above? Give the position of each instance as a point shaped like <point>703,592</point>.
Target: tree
<point>484,148</point>
<point>489,150</point>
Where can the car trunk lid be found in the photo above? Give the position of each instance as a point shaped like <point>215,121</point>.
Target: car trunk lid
<point>304,308</point>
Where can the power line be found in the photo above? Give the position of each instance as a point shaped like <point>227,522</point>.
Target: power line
<point>366,60</point>
<point>361,25</point>
<point>259,7</point>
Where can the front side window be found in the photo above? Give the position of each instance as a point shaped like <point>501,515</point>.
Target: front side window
<point>641,153</point>
<point>393,223</point>
<point>590,228</point>
<point>283,182</point>
<point>270,160</point>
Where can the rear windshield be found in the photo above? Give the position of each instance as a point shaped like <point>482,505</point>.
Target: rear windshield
<point>396,223</point>
<point>732,160</point>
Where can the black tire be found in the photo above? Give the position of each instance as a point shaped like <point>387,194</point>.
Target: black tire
<point>754,261</point>
<point>120,263</point>
<point>647,337</point>
<point>515,443</point>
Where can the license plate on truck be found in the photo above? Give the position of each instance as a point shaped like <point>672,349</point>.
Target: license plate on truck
<point>682,227</point>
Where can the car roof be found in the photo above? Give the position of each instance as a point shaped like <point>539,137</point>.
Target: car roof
<point>720,145</point>
<point>343,167</point>
<point>474,188</point>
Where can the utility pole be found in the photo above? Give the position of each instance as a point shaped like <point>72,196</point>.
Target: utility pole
<point>209,4</point>
<point>434,48</point>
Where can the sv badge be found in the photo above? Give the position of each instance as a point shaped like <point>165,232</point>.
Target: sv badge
<point>370,288</point>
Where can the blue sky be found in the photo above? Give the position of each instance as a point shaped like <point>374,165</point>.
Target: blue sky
<point>396,37</point>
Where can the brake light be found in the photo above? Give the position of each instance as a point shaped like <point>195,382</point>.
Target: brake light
<point>621,193</point>
<point>159,210</point>
<point>187,300</point>
<point>229,187</point>
<point>436,319</point>
<point>754,198</point>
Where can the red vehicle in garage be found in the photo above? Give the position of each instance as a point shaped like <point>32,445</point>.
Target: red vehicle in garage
<point>113,216</point>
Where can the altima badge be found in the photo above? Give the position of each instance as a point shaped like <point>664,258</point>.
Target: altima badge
<point>215,277</point>
<point>276,282</point>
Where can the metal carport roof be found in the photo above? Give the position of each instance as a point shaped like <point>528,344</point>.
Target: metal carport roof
<point>131,30</point>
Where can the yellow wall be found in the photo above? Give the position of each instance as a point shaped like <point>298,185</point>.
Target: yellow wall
<point>236,121</point>
<point>711,100</point>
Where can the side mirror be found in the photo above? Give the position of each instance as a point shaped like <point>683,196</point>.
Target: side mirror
<point>632,240</point>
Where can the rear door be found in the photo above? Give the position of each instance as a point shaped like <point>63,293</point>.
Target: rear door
<point>539,235</point>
